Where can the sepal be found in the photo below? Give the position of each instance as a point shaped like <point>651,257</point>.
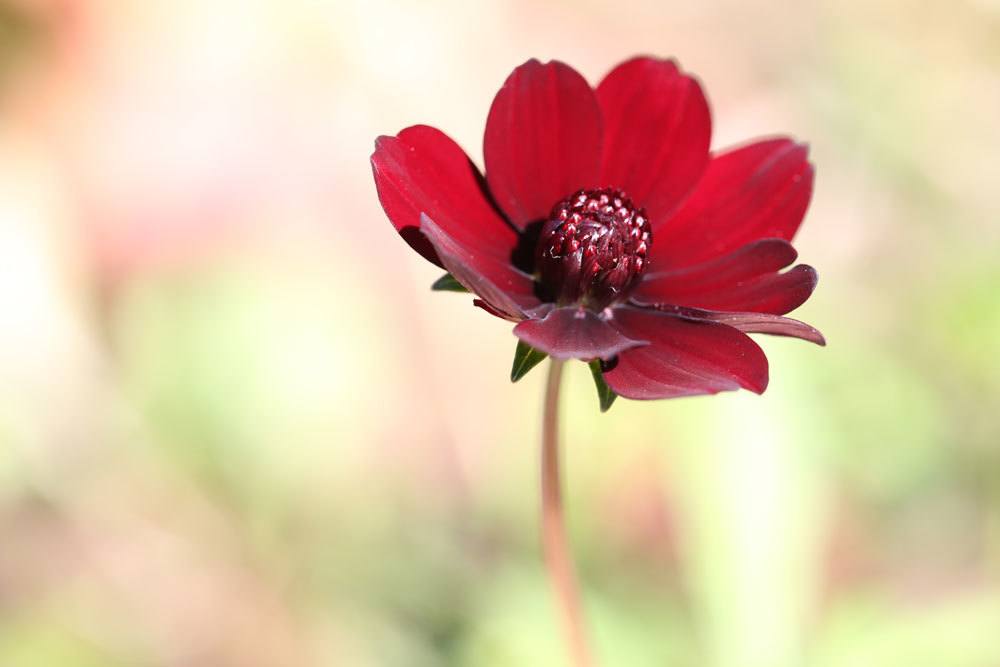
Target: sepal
<point>447,283</point>
<point>605,394</point>
<point>525,358</point>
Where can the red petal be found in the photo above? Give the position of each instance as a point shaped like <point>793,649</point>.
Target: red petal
<point>776,293</point>
<point>657,129</point>
<point>750,193</point>
<point>686,285</point>
<point>479,303</point>
<point>500,285</point>
<point>684,358</point>
<point>574,333</point>
<point>764,323</point>
<point>543,139</point>
<point>423,171</point>
<point>769,324</point>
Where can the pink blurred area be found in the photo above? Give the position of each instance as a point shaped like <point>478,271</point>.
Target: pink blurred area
<point>178,129</point>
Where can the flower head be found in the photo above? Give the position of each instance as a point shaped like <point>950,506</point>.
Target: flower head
<point>607,230</point>
<point>592,249</point>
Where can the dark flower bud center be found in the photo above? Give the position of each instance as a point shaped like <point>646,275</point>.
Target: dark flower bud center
<point>593,248</point>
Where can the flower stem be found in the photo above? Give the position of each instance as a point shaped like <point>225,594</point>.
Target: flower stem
<point>558,560</point>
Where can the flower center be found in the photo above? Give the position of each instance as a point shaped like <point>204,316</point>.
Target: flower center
<point>592,249</point>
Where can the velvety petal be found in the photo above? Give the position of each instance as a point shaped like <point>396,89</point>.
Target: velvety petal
<point>684,358</point>
<point>500,285</point>
<point>575,333</point>
<point>543,139</point>
<point>776,293</point>
<point>764,323</point>
<point>479,303</point>
<point>754,192</point>
<point>530,310</point>
<point>657,130</point>
<point>421,170</point>
<point>684,286</point>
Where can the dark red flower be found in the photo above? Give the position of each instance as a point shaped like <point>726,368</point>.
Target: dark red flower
<point>607,229</point>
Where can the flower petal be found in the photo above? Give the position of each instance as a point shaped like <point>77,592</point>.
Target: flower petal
<point>504,288</point>
<point>543,139</point>
<point>574,333</point>
<point>776,293</point>
<point>684,357</point>
<point>764,323</point>
<point>758,191</point>
<point>421,170</point>
<point>479,303</point>
<point>657,130</point>
<point>683,286</point>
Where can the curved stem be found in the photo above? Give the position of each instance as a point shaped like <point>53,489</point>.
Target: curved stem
<point>558,559</point>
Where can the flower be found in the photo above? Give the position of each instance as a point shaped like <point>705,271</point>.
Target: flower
<point>607,230</point>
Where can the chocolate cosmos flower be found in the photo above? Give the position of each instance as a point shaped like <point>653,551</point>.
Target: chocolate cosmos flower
<point>607,230</point>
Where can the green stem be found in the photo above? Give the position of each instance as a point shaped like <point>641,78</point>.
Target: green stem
<point>558,559</point>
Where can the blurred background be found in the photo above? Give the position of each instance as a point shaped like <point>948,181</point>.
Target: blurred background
<point>237,429</point>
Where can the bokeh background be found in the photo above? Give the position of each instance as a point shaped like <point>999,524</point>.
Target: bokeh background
<point>237,429</point>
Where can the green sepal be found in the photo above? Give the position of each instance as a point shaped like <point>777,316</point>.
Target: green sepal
<point>447,283</point>
<point>605,394</point>
<point>525,358</point>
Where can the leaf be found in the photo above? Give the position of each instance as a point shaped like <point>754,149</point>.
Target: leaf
<point>605,394</point>
<point>525,358</point>
<point>447,283</point>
